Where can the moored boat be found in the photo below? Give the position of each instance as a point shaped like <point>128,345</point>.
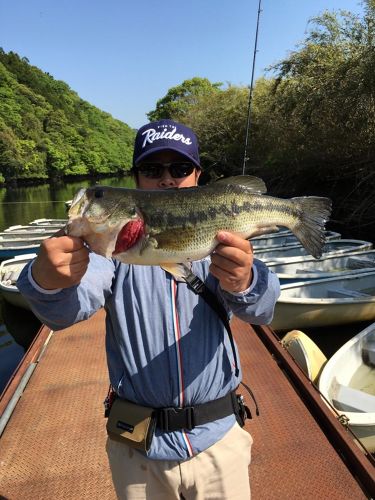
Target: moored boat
<point>9,271</point>
<point>285,238</point>
<point>10,248</point>
<point>305,352</point>
<point>49,222</point>
<point>324,302</point>
<point>328,266</point>
<point>32,229</point>
<point>287,253</point>
<point>347,382</point>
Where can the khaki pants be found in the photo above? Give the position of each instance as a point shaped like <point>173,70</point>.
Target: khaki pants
<point>220,472</point>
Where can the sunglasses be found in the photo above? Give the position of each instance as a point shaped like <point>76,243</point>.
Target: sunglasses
<point>177,170</point>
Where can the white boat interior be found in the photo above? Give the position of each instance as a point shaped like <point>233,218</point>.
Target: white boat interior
<point>357,286</point>
<point>347,381</point>
<point>327,266</point>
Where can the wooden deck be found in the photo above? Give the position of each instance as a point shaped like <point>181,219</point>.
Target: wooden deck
<point>53,446</point>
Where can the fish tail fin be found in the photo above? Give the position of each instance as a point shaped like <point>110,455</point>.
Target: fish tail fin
<point>313,213</point>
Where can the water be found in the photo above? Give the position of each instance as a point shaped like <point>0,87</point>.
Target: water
<point>21,205</point>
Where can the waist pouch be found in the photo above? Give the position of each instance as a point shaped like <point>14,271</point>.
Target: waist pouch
<point>136,424</point>
<point>131,423</point>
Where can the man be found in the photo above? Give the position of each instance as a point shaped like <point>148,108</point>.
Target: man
<point>166,346</point>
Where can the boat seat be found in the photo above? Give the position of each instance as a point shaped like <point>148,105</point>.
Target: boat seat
<point>338,293</point>
<point>350,399</point>
<point>360,263</point>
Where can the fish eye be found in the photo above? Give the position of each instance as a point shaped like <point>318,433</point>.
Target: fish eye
<point>99,193</point>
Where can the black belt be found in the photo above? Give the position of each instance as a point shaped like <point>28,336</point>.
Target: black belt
<point>188,417</point>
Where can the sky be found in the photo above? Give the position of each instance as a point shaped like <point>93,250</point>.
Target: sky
<point>124,55</point>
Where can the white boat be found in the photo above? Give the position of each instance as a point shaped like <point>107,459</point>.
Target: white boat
<point>24,235</point>
<point>49,222</point>
<point>287,253</point>
<point>347,381</point>
<point>11,247</point>
<point>285,238</point>
<point>31,229</point>
<point>328,266</point>
<point>9,271</point>
<point>324,302</point>
<point>305,353</point>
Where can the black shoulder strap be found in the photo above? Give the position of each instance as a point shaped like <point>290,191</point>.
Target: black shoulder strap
<point>198,286</point>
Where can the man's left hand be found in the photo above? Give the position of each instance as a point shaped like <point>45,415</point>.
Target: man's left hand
<point>232,261</point>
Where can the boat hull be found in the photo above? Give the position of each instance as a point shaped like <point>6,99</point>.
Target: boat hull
<point>347,382</point>
<point>321,313</point>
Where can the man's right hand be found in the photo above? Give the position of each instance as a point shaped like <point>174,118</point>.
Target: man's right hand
<point>61,262</point>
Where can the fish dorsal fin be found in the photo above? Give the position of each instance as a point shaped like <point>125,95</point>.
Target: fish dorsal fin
<point>249,181</point>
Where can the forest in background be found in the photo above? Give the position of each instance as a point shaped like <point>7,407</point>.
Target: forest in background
<point>312,128</point>
<point>47,132</point>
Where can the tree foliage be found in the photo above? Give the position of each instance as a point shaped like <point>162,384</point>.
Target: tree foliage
<point>177,101</point>
<point>47,131</point>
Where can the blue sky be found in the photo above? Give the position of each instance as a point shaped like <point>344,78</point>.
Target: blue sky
<point>122,55</point>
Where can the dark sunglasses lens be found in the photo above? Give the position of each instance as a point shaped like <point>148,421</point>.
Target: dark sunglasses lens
<point>179,170</point>
<point>152,171</point>
<point>155,170</point>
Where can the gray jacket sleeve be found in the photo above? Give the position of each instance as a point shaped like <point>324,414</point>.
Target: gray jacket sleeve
<point>255,305</point>
<point>61,308</point>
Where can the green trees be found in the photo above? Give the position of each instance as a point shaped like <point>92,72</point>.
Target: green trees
<point>179,99</point>
<point>47,131</point>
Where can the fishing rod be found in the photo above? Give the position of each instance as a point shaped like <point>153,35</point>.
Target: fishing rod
<point>245,158</point>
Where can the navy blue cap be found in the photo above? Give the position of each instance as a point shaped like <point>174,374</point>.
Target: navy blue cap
<point>162,135</point>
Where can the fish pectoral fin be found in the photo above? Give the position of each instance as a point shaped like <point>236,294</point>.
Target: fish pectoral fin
<point>147,242</point>
<point>178,271</point>
<point>249,181</point>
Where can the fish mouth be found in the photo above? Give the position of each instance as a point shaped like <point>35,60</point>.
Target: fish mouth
<point>129,235</point>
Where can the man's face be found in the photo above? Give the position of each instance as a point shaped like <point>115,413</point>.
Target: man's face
<point>166,180</point>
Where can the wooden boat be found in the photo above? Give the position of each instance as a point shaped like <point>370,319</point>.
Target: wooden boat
<point>285,238</point>
<point>9,271</point>
<point>324,302</point>
<point>328,266</point>
<point>347,382</point>
<point>286,253</point>
<point>305,352</point>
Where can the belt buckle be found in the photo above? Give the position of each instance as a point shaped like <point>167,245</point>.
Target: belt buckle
<point>183,418</point>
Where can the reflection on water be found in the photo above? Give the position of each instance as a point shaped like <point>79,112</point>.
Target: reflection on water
<point>22,204</point>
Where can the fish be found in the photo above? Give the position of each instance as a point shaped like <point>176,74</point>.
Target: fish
<point>177,226</point>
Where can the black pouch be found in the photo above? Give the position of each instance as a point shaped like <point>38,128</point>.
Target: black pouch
<point>131,423</point>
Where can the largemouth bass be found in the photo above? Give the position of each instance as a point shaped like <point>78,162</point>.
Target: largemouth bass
<point>169,226</point>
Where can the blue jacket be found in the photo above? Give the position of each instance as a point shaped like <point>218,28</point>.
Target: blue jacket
<point>165,346</point>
